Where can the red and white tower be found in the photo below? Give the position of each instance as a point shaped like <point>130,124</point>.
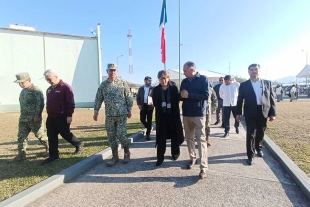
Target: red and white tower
<point>130,65</point>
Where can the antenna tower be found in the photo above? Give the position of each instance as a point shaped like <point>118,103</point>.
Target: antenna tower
<point>130,66</point>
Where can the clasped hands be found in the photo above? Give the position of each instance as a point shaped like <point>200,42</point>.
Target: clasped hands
<point>184,94</point>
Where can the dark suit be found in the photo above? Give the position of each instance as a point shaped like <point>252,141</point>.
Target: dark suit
<point>255,115</point>
<point>147,111</point>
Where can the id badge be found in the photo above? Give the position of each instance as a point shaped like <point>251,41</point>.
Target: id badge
<point>169,105</point>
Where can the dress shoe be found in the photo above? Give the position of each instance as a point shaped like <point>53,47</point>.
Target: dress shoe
<point>226,134</point>
<point>216,123</point>
<point>175,157</point>
<point>147,137</point>
<point>208,144</point>
<point>79,147</point>
<point>202,174</point>
<point>159,162</point>
<point>260,153</point>
<point>237,130</point>
<point>49,160</point>
<point>191,164</point>
<point>250,161</point>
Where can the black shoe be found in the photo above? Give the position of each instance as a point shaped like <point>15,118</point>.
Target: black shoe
<point>49,160</point>
<point>250,161</point>
<point>159,162</point>
<point>175,157</point>
<point>226,134</point>
<point>237,130</point>
<point>260,153</point>
<point>216,123</point>
<point>79,147</point>
<point>148,138</point>
<point>191,164</point>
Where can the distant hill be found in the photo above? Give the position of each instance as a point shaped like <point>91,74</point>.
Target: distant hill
<point>288,79</point>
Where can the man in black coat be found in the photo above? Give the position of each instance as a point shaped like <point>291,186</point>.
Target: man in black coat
<point>259,104</point>
<point>145,105</point>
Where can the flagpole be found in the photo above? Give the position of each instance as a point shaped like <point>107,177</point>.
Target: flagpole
<point>179,43</point>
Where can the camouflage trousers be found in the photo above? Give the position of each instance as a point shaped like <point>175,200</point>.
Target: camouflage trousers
<point>116,130</point>
<point>24,128</point>
<point>208,121</point>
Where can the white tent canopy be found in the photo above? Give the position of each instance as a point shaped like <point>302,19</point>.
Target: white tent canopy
<point>305,72</point>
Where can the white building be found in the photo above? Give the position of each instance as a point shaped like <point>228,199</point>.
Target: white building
<point>76,58</point>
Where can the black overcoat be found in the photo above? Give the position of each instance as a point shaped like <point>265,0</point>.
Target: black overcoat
<point>175,99</point>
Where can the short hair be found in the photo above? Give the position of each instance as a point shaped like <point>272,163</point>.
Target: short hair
<point>220,78</point>
<point>162,73</point>
<point>254,65</point>
<point>190,64</point>
<point>227,77</point>
<point>147,77</point>
<point>50,72</point>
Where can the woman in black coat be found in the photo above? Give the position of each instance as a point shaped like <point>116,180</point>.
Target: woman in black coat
<point>168,121</point>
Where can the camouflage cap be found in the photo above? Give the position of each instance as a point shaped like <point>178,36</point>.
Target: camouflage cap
<point>21,77</point>
<point>112,66</point>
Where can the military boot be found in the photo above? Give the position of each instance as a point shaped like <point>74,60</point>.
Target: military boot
<point>208,141</point>
<point>126,155</point>
<point>114,159</point>
<point>21,156</point>
<point>46,153</point>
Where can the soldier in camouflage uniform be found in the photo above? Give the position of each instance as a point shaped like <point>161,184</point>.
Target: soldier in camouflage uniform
<point>211,106</point>
<point>31,106</point>
<point>118,103</point>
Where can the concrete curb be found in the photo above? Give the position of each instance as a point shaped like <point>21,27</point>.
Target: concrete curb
<point>299,177</point>
<point>34,192</point>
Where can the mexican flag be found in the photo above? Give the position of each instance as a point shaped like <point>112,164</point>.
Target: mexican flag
<point>163,21</point>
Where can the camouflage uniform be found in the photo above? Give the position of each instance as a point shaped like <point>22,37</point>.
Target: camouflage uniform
<point>31,106</point>
<point>212,106</point>
<point>118,101</point>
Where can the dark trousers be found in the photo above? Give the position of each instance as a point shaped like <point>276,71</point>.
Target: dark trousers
<point>146,114</point>
<point>219,110</point>
<point>227,111</point>
<point>58,125</point>
<point>167,129</point>
<point>255,131</point>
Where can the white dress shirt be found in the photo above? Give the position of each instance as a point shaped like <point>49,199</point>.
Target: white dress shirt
<point>146,93</point>
<point>258,89</point>
<point>278,90</point>
<point>229,93</point>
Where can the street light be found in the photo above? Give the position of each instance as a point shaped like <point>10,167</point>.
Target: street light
<point>306,64</point>
<point>306,56</point>
<point>117,59</point>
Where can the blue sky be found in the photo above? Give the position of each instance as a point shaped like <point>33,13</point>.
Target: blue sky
<point>213,33</point>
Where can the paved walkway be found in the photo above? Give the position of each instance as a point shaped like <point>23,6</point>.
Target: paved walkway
<point>230,182</point>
